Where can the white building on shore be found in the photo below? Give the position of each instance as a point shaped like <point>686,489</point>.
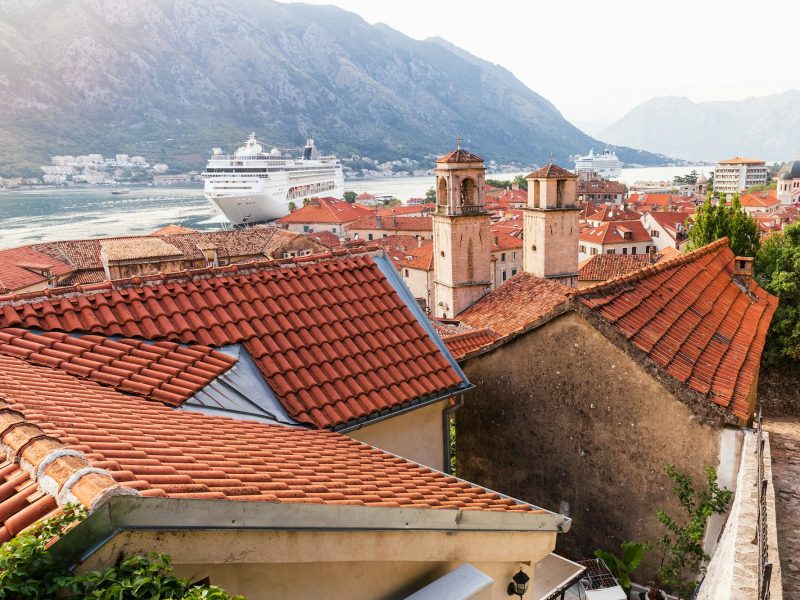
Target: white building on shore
<point>737,174</point>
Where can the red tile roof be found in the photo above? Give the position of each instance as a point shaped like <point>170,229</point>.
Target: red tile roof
<point>613,213</point>
<point>418,258</point>
<point>330,334</point>
<point>738,160</point>
<point>461,345</point>
<point>551,171</point>
<point>171,230</point>
<point>602,267</point>
<point>760,200</point>
<point>517,304</point>
<point>459,155</point>
<point>326,238</point>
<point>325,210</point>
<point>22,267</point>
<point>691,317</point>
<point>162,371</point>
<point>101,442</point>
<point>614,232</point>
<point>407,210</point>
<point>422,224</point>
<point>503,241</point>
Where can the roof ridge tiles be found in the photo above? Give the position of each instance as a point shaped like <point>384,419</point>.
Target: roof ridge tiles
<point>62,473</point>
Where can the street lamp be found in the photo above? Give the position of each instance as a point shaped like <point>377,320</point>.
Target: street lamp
<point>519,584</point>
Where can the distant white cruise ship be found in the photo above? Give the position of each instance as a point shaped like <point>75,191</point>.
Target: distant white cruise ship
<point>251,186</point>
<point>607,165</point>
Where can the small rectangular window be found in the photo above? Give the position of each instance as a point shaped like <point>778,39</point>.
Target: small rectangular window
<point>505,275</point>
<point>502,257</point>
<point>633,250</point>
<point>514,255</point>
<point>306,228</point>
<point>624,250</point>
<point>406,272</point>
<point>612,251</point>
<point>369,237</point>
<point>513,272</point>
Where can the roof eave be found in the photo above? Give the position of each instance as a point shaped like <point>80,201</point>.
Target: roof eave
<point>135,513</point>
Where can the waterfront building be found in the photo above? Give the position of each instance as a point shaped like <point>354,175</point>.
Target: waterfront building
<point>737,174</point>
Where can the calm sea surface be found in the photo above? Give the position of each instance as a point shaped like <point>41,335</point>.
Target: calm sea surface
<point>55,214</point>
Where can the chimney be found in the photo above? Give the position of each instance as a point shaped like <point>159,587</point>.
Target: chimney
<point>515,187</point>
<point>743,267</point>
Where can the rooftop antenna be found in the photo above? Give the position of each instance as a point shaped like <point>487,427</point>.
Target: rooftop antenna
<point>551,158</point>
<point>458,143</point>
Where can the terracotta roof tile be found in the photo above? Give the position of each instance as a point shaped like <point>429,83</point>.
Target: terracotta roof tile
<point>616,232</point>
<point>164,370</point>
<point>24,266</point>
<point>171,230</point>
<point>465,343</point>
<point>551,171</point>
<point>280,313</point>
<point>459,155</point>
<point>159,451</point>
<point>759,200</point>
<point>418,258</point>
<point>692,317</point>
<point>392,223</point>
<point>602,267</point>
<point>137,248</point>
<point>325,210</point>
<point>517,304</point>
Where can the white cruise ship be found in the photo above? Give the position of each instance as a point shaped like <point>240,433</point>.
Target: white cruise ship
<point>606,165</point>
<point>251,186</point>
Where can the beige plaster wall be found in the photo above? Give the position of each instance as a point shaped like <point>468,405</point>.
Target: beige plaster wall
<point>562,418</point>
<point>351,565</point>
<point>551,241</point>
<point>416,435</point>
<point>420,283</point>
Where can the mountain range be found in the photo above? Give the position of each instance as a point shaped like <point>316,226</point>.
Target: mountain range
<point>169,79</point>
<point>765,127</point>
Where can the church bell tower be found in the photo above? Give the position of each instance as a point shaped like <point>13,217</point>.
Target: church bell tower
<point>461,234</point>
<point>550,225</point>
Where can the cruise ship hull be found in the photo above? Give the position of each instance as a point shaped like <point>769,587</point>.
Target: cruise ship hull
<point>257,204</point>
<point>251,186</point>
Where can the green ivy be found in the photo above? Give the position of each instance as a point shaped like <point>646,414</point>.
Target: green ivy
<point>29,572</point>
<point>682,543</point>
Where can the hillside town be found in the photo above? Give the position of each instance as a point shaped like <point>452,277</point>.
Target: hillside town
<point>447,399</point>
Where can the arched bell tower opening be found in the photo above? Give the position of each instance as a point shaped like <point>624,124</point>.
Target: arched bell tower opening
<point>468,193</point>
<point>461,234</point>
<point>441,192</point>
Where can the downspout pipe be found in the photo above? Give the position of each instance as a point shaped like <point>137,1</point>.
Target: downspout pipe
<point>446,414</point>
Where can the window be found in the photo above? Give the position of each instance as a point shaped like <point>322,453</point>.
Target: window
<point>384,235</point>
<point>624,250</point>
<point>593,252</point>
<point>513,272</point>
<point>306,228</point>
<point>406,273</point>
<point>505,275</point>
<point>654,233</point>
<point>502,257</point>
<point>582,249</point>
<point>514,255</point>
<point>369,237</point>
<point>612,251</point>
<point>334,229</point>
<point>633,250</point>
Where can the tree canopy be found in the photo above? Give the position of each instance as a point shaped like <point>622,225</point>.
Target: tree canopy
<point>690,179</point>
<point>349,197</point>
<point>778,271</point>
<point>715,221</point>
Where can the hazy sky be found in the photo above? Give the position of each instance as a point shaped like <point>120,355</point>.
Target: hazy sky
<point>595,60</point>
